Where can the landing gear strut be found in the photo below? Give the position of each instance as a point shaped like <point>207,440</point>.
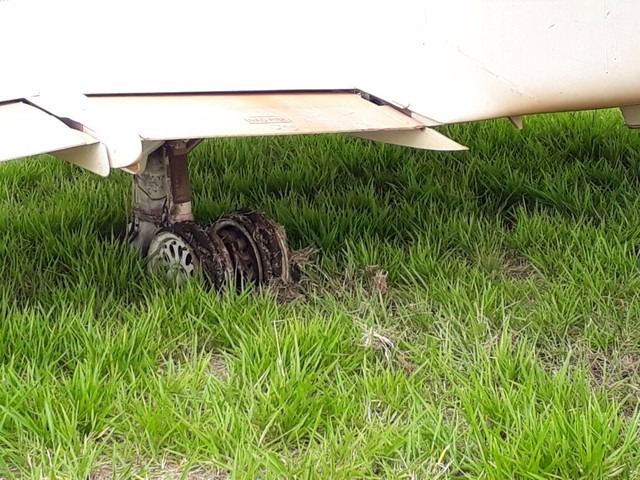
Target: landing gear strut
<point>239,248</point>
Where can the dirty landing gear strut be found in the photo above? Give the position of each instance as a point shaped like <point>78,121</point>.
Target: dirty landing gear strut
<point>239,248</point>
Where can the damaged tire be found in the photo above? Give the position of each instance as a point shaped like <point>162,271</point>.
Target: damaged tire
<point>240,248</point>
<point>184,250</point>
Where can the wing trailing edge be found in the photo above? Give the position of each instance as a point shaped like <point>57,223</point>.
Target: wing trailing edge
<point>118,131</point>
<point>26,130</point>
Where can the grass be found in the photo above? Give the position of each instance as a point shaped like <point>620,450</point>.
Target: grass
<point>470,315</point>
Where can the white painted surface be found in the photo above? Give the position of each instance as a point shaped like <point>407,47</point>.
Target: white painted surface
<point>18,48</point>
<point>449,60</point>
<point>182,117</point>
<point>122,141</point>
<point>128,127</point>
<point>494,58</point>
<point>26,130</point>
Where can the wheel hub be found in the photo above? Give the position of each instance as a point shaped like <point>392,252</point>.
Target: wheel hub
<point>171,253</point>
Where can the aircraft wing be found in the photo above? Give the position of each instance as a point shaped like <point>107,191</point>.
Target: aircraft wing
<point>26,130</point>
<point>117,131</point>
<point>105,82</point>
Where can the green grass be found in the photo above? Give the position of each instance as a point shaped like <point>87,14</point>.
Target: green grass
<point>503,342</point>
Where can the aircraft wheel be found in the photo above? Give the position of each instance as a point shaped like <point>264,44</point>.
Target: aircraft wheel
<point>184,250</point>
<point>257,246</point>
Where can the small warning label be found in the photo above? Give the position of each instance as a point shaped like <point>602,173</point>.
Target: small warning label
<point>266,119</point>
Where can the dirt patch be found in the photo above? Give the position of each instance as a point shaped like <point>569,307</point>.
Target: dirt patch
<point>629,364</point>
<point>612,368</point>
<point>598,367</point>
<point>617,375</point>
<point>379,285</point>
<point>218,368</point>
<point>506,265</point>
<point>516,267</point>
<point>288,292</point>
<point>162,471</point>
<point>384,344</point>
<point>302,258</point>
<point>369,282</point>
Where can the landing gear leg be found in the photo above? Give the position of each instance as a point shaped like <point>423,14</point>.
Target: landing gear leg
<point>161,195</point>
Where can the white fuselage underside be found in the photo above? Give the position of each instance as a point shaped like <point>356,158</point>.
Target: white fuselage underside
<point>449,60</point>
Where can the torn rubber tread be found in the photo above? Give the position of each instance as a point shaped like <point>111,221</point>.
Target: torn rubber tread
<point>215,263</point>
<point>235,232</point>
<point>247,232</point>
<point>272,241</point>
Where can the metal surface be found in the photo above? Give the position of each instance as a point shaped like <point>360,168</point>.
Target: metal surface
<point>241,248</point>
<point>426,139</point>
<point>122,142</point>
<point>487,59</point>
<point>171,254</point>
<point>517,122</point>
<point>257,246</point>
<point>184,250</point>
<point>161,195</point>
<point>453,60</point>
<point>631,116</point>
<point>129,127</point>
<point>179,185</point>
<point>26,130</point>
<point>244,247</point>
<point>181,117</point>
<point>429,61</point>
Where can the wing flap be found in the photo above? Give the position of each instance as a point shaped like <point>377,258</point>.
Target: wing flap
<point>425,139</point>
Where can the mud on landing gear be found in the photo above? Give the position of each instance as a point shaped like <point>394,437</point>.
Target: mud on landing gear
<point>240,248</point>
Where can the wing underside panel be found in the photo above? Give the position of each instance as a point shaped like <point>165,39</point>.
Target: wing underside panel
<point>117,131</point>
<point>171,117</point>
<point>26,130</point>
